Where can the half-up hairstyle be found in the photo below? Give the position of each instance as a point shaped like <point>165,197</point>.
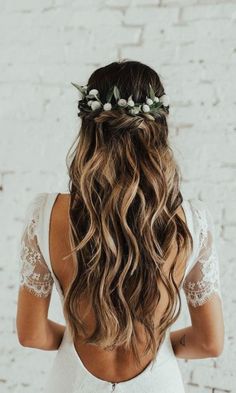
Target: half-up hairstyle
<point>124,188</point>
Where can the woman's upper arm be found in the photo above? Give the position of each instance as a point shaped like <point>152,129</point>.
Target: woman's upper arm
<point>208,322</point>
<point>35,285</point>
<point>202,288</point>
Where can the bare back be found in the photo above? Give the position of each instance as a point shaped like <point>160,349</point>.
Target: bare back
<point>117,364</point>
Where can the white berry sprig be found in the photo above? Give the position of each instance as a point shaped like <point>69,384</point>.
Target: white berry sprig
<point>91,101</point>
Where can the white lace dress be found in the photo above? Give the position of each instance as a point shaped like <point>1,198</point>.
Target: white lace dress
<point>201,280</point>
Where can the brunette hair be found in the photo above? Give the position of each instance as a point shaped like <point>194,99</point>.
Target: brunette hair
<point>124,185</point>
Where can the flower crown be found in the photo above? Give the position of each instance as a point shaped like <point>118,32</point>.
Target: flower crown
<point>90,101</point>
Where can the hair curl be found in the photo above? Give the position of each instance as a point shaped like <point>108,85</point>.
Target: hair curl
<point>124,186</point>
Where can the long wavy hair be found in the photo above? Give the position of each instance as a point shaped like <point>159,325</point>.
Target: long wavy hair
<point>124,189</point>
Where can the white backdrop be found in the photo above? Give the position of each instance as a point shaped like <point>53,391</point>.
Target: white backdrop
<point>47,44</point>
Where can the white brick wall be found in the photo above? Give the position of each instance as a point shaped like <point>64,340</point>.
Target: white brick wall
<point>47,44</point>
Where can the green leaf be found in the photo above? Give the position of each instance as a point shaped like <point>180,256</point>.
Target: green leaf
<point>151,92</point>
<point>78,87</point>
<point>109,95</point>
<point>157,104</point>
<point>116,93</point>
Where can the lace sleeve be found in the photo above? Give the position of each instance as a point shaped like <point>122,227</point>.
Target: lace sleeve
<point>34,273</point>
<point>204,277</point>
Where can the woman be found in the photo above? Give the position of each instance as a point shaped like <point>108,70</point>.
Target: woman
<point>119,247</point>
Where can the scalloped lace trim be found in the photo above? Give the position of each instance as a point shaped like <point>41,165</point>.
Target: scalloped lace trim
<point>35,275</point>
<point>203,280</point>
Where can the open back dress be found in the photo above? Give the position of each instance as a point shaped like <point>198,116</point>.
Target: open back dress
<point>68,373</point>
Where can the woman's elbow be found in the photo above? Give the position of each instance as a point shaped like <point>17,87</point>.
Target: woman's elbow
<point>27,341</point>
<point>30,335</point>
<point>30,340</point>
<point>215,350</point>
<point>217,346</point>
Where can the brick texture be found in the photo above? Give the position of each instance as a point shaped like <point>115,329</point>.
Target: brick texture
<point>47,44</point>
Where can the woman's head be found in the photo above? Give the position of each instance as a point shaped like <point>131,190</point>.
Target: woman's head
<point>91,101</point>
<point>124,185</point>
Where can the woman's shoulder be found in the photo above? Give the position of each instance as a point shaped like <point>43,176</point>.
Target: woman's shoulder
<point>197,206</point>
<point>41,197</point>
<point>34,204</point>
<point>201,215</point>
<point>40,202</point>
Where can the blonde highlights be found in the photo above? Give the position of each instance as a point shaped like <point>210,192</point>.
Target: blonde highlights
<point>124,186</point>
